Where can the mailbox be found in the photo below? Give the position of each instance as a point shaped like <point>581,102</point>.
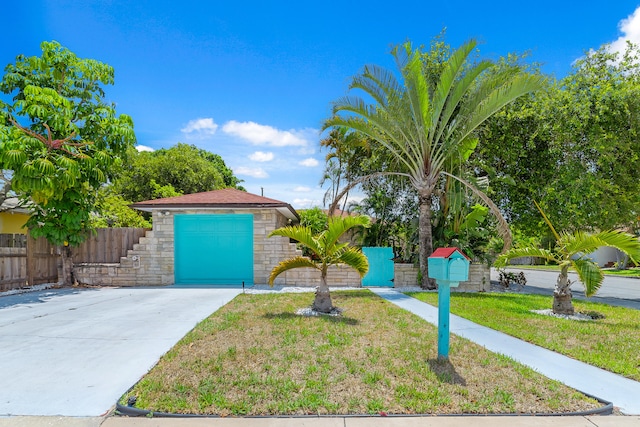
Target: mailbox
<point>449,265</point>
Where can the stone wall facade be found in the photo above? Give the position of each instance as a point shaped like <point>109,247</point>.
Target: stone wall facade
<point>406,275</point>
<point>151,261</point>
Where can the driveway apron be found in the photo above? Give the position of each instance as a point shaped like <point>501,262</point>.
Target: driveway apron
<point>74,352</point>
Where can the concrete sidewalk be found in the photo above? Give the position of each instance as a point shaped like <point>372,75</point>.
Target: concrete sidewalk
<point>622,392</point>
<point>452,421</point>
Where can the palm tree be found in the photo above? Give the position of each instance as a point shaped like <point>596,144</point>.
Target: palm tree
<point>572,250</point>
<point>427,121</point>
<point>326,250</point>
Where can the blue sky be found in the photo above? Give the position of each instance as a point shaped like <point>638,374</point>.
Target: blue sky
<point>253,80</point>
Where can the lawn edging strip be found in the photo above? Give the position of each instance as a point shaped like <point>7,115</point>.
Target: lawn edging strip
<point>130,411</point>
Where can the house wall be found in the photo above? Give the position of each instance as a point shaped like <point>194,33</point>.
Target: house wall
<point>12,222</point>
<point>151,261</point>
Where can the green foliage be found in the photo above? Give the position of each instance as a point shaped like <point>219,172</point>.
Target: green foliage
<point>473,233</point>
<point>181,169</point>
<point>325,246</point>
<point>314,218</point>
<point>61,139</point>
<point>573,249</point>
<point>574,147</point>
<point>424,123</point>
<point>114,211</point>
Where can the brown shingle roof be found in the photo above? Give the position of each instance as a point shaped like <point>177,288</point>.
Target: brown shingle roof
<point>225,198</point>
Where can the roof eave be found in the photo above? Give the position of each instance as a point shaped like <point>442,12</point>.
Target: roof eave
<point>284,208</point>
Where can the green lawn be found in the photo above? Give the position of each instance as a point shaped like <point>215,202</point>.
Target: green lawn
<point>255,356</point>
<point>611,343</point>
<point>629,272</point>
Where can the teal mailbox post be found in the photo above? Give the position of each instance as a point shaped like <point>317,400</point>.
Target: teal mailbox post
<point>449,266</point>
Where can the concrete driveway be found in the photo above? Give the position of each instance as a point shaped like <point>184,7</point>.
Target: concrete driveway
<point>74,352</point>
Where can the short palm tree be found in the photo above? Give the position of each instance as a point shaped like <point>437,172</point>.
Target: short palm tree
<point>572,250</point>
<point>426,122</point>
<point>327,250</point>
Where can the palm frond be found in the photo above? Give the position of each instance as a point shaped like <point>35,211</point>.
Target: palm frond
<point>302,234</point>
<point>625,242</point>
<point>590,275</point>
<point>546,219</point>
<point>378,126</point>
<point>417,92</point>
<point>289,264</point>
<point>340,225</point>
<point>491,98</point>
<point>378,82</point>
<point>503,227</point>
<point>448,78</point>
<point>356,259</point>
<point>453,101</point>
<point>584,243</point>
<point>502,260</point>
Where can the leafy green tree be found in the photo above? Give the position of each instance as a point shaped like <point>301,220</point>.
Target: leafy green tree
<point>315,219</point>
<point>114,211</point>
<point>61,140</point>
<point>597,123</point>
<point>572,251</point>
<point>516,155</point>
<point>181,169</point>
<point>327,251</point>
<point>573,146</point>
<point>426,121</point>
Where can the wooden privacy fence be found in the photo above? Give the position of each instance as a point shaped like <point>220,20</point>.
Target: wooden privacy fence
<point>107,245</point>
<point>26,261</point>
<point>13,268</point>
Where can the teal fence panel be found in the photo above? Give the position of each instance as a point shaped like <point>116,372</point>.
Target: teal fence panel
<point>380,267</point>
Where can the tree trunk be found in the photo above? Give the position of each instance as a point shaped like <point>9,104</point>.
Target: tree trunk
<point>322,302</point>
<point>65,268</point>
<point>562,297</point>
<point>425,237</point>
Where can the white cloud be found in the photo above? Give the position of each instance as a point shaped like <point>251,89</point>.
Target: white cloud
<point>264,135</point>
<point>302,189</point>
<point>144,148</point>
<point>260,156</point>
<point>630,29</point>
<point>252,172</point>
<point>310,162</point>
<point>200,127</point>
<point>304,203</point>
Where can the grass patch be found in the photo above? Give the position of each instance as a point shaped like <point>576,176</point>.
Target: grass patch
<point>629,272</point>
<point>611,342</point>
<point>256,357</point>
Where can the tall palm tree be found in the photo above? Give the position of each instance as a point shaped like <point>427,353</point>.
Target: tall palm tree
<point>426,122</point>
<point>572,250</point>
<point>327,251</point>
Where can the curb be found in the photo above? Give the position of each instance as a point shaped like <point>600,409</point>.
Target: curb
<point>130,411</point>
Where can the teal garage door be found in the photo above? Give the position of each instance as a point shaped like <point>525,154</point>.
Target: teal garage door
<point>213,249</point>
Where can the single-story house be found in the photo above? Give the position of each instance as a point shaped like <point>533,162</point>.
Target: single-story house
<point>13,216</point>
<point>214,238</point>
<point>220,238</point>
